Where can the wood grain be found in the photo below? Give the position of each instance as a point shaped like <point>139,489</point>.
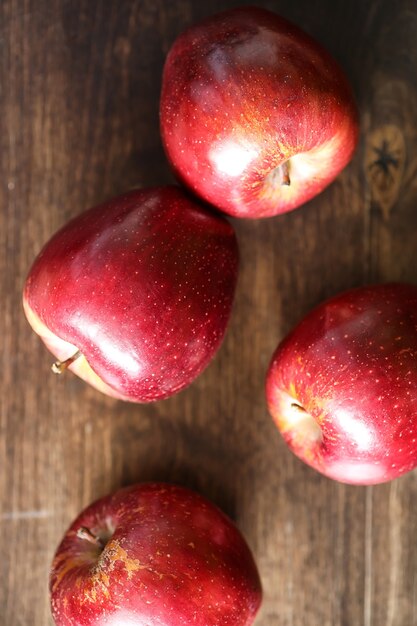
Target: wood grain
<point>79,89</point>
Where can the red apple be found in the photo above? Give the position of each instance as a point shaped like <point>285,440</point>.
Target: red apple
<point>154,555</point>
<point>256,117</point>
<point>140,289</point>
<point>342,386</point>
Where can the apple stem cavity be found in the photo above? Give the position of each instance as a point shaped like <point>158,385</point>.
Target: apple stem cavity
<point>284,173</point>
<point>279,176</point>
<point>85,533</point>
<point>305,424</point>
<point>60,366</point>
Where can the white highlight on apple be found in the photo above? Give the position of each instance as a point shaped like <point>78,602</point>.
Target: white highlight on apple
<point>232,158</point>
<point>117,356</point>
<point>260,49</point>
<point>124,360</point>
<point>354,471</point>
<point>126,618</point>
<point>360,433</point>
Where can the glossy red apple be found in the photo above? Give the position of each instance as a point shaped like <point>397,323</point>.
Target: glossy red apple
<point>154,555</point>
<point>256,117</point>
<point>342,387</point>
<point>140,289</point>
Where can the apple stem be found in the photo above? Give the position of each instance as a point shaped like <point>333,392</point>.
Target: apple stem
<point>85,533</point>
<point>60,366</point>
<point>297,407</point>
<point>284,172</point>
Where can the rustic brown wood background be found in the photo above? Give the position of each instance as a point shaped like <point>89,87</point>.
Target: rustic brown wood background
<point>79,89</point>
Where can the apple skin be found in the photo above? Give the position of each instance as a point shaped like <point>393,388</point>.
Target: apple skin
<point>244,92</point>
<point>142,286</point>
<point>342,386</point>
<point>171,558</point>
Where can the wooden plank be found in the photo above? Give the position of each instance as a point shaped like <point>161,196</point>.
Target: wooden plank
<point>79,100</point>
<point>390,138</point>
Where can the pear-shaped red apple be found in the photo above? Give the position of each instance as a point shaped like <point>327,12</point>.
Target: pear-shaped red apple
<point>256,117</point>
<point>154,555</point>
<point>342,386</point>
<point>135,295</point>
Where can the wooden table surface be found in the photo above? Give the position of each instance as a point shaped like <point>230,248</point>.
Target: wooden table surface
<point>79,90</point>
